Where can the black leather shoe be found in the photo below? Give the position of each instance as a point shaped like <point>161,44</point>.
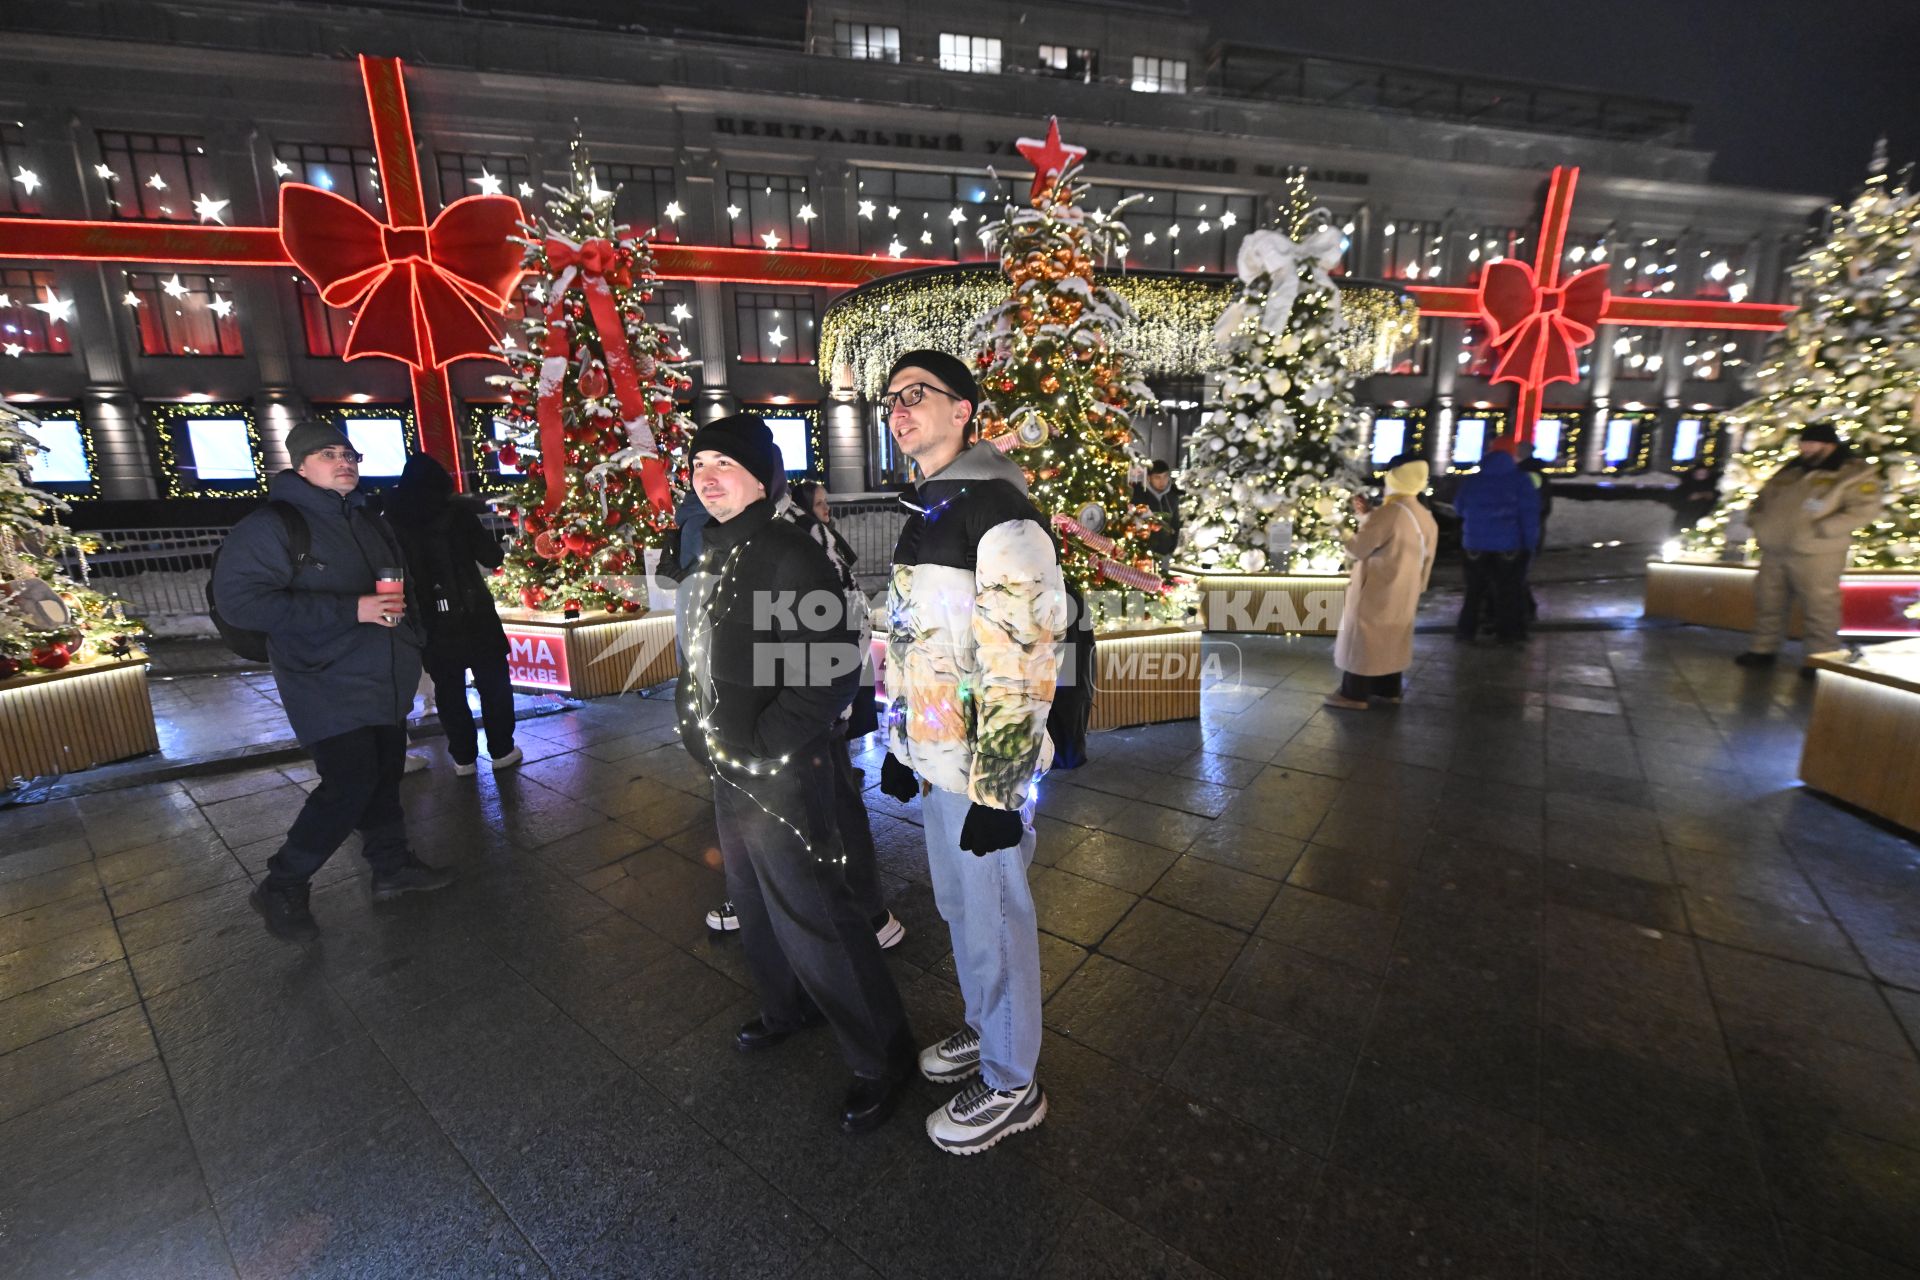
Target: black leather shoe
<point>870,1102</point>
<point>285,910</point>
<point>758,1035</point>
<point>411,876</point>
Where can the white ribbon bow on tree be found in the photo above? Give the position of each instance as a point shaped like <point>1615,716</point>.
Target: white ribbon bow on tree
<point>1274,255</point>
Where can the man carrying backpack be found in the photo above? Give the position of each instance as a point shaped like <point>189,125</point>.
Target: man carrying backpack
<point>345,658</point>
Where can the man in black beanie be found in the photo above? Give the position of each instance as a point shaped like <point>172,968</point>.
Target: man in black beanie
<point>1804,519</point>
<point>346,661</point>
<point>771,660</point>
<point>978,611</point>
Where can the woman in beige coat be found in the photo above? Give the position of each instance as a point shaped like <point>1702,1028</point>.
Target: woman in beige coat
<point>1392,560</point>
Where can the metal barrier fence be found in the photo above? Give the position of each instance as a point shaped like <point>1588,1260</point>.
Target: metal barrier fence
<point>871,526</point>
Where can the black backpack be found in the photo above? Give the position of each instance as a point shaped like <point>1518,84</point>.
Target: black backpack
<point>252,645</point>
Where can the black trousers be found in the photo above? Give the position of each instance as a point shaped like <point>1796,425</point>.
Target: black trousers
<point>359,790</point>
<point>806,940</point>
<point>1360,688</point>
<point>856,833</point>
<point>1497,584</point>
<point>449,677</point>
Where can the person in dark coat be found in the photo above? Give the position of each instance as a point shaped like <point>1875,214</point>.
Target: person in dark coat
<point>1499,513</point>
<point>446,547</point>
<point>346,661</point>
<point>1161,497</point>
<point>1694,497</point>
<point>771,661</point>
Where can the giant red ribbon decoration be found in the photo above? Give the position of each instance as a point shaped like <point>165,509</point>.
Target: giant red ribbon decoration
<point>424,287</point>
<point>1541,329</point>
<point>587,265</point>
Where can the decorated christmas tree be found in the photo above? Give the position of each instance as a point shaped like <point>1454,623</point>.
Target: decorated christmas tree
<point>592,426</point>
<point>1059,391</point>
<point>1849,355</point>
<point>48,620</point>
<point>1285,441</point>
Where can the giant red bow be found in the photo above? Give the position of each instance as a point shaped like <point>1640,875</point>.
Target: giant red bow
<point>1541,329</point>
<point>424,286</point>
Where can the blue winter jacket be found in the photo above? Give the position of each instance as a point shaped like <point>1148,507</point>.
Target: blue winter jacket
<point>335,673</point>
<point>1499,508</point>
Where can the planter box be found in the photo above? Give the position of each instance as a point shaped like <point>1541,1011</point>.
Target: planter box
<point>1872,601</point>
<point>589,657</point>
<point>1144,677</point>
<point>1863,738</point>
<point>75,719</point>
<point>1301,604</point>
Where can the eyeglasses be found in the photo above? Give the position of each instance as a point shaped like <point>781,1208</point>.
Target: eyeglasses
<point>340,455</point>
<point>912,394</point>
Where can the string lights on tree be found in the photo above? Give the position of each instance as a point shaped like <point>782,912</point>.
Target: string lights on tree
<point>1849,355</point>
<point>592,421</point>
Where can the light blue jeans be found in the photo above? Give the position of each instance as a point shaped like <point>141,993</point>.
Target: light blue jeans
<point>988,907</point>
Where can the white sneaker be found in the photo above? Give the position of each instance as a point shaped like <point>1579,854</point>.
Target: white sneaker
<point>889,934</point>
<point>953,1059</point>
<point>508,760</point>
<point>415,762</point>
<point>466,770</point>
<point>980,1115</point>
<point>723,918</point>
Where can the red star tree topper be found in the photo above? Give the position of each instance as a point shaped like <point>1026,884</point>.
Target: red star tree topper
<point>592,422</point>
<point>1051,158</point>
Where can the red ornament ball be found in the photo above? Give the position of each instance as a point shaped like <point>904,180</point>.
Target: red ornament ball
<point>571,606</point>
<point>509,456</point>
<point>577,542</point>
<point>548,547</point>
<point>51,657</point>
<point>9,667</point>
<point>593,383</point>
<point>531,597</point>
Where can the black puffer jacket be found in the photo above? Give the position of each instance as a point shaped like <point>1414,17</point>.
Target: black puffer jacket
<point>769,675</point>
<point>446,546</point>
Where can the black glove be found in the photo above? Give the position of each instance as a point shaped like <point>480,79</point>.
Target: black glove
<point>989,830</point>
<point>897,780</point>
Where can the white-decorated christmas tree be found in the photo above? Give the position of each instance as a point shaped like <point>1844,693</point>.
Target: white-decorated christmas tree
<point>1850,355</point>
<point>49,619</point>
<point>594,429</point>
<point>1285,440</point>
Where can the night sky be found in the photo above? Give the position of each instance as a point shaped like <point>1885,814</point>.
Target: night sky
<point>1788,95</point>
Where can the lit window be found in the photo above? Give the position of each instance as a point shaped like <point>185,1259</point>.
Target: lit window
<point>1159,75</point>
<point>1547,435</point>
<point>969,53</point>
<point>1469,441</point>
<point>770,204</point>
<point>348,172</point>
<point>1389,440</point>
<point>469,173</point>
<point>792,436</point>
<point>16,196</point>
<point>21,323</point>
<point>1620,437</point>
<point>382,443</point>
<point>62,455</point>
<point>866,40</point>
<point>155,175</point>
<point>1069,63</point>
<point>221,449</point>
<point>1686,439</point>
<point>642,194</point>
<point>775,328</point>
<point>184,313</point>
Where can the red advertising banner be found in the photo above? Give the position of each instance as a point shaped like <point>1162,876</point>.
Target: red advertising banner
<point>537,660</point>
<point>1878,606</point>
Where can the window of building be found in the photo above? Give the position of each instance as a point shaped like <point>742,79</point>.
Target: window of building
<point>769,211</point>
<point>672,307</point>
<point>1649,269</point>
<point>1180,230</point>
<point>1708,355</point>
<point>1556,440</point>
<point>1471,435</point>
<point>383,437</point>
<point>1159,75</point>
<point>979,54</point>
<point>327,328</point>
<point>866,40</point>
<point>154,176</point>
<point>1636,352</point>
<point>184,313</point>
<point>775,328</point>
<point>62,461</point>
<point>25,328</point>
<point>17,196</point>
<point>644,198</point>
<point>1626,441</point>
<point>1412,249</point>
<point>1389,440</point>
<point>796,436</point>
<point>350,172</point>
<point>1726,272</point>
<point>1491,244</point>
<point>1417,356</point>
<point>923,215</point>
<point>471,173</point>
<point>1689,440</point>
<point>1069,63</point>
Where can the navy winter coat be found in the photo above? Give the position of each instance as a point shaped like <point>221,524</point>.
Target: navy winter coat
<point>335,673</point>
<point>1499,508</point>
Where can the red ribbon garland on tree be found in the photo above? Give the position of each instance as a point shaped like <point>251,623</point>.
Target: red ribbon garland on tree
<point>588,264</point>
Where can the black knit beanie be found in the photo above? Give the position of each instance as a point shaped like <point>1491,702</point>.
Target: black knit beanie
<point>313,435</point>
<point>746,439</point>
<point>950,371</point>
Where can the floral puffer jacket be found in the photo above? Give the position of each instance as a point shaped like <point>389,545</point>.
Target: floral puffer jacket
<point>976,614</point>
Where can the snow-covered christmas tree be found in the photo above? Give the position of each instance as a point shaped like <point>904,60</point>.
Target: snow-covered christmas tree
<point>1849,355</point>
<point>1059,389</point>
<point>1285,441</point>
<point>48,619</point>
<point>593,425</point>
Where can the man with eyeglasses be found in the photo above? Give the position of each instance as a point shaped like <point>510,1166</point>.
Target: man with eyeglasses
<point>346,660</point>
<point>977,611</point>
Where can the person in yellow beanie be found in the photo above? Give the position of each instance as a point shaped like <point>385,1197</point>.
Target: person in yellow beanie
<point>1392,556</point>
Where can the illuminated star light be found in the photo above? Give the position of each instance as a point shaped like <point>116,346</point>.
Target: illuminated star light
<point>28,179</point>
<point>776,337</point>
<point>14,349</point>
<point>680,312</point>
<point>955,216</point>
<point>733,211</point>
<point>893,211</point>
<point>926,237</point>
<point>673,212</point>
<point>281,169</point>
<point>866,209</point>
<point>132,299</point>
<point>489,184</point>
<point>597,193</point>
<point>222,307</point>
<point>57,309</point>
<point>1227,219</point>
<point>894,248</point>
<point>526,191</point>
<point>106,171</point>
<point>157,182</point>
<point>209,210</point>
<point>806,213</point>
<point>6,300</point>
<point>771,240</point>
<point>172,286</point>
